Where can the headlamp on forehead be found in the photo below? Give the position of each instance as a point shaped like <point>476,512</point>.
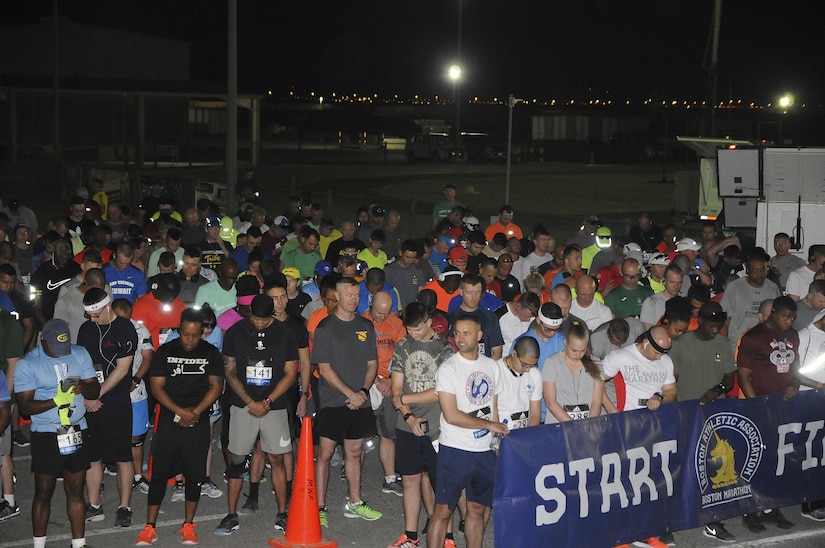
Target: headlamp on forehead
<point>716,316</point>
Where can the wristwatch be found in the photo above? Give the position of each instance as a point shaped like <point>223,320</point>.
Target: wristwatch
<point>407,416</point>
<point>721,386</point>
<point>268,401</point>
<point>136,379</point>
<point>366,392</point>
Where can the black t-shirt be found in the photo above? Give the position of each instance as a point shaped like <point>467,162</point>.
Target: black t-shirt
<point>106,344</point>
<point>187,373</point>
<point>259,359</point>
<point>295,306</point>
<point>510,288</point>
<point>47,281</point>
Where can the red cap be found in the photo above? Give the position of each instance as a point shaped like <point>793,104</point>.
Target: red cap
<point>458,254</point>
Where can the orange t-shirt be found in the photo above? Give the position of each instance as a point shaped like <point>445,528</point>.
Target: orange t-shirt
<point>387,335</point>
<point>444,298</point>
<point>153,315</point>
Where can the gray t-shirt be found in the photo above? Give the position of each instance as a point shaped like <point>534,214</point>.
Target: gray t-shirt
<point>418,361</point>
<point>347,346</point>
<point>574,391</point>
<point>408,281</point>
<point>785,267</point>
<point>742,301</point>
<point>653,308</point>
<point>700,365</point>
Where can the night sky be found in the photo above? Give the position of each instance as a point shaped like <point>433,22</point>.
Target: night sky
<point>532,48</point>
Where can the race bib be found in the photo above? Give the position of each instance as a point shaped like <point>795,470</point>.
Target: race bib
<point>258,374</point>
<point>577,412</point>
<point>69,440</point>
<point>519,420</point>
<point>99,373</point>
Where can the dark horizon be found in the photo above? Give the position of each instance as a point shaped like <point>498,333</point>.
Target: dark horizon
<point>533,48</point>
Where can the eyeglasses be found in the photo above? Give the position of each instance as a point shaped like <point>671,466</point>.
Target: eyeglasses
<point>526,365</point>
<point>93,316</point>
<point>631,276</point>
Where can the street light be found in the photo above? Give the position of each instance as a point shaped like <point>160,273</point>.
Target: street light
<point>454,72</point>
<point>511,102</point>
<point>786,101</point>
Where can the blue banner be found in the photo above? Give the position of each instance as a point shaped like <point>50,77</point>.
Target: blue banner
<point>618,478</point>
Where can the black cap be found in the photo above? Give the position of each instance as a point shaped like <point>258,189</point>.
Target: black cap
<point>262,306</point>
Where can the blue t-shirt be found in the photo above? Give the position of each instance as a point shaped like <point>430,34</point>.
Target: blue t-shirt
<point>126,284</point>
<point>4,388</point>
<point>40,372</point>
<point>366,298</point>
<point>488,302</point>
<point>241,255</point>
<point>546,349</point>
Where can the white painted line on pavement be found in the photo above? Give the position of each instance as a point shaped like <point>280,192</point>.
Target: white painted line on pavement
<point>114,530</point>
<point>781,539</point>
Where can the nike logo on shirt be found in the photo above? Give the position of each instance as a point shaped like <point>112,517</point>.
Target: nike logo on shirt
<point>52,286</point>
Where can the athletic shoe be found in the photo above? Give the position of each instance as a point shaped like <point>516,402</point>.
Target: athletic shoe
<point>147,537</point>
<point>211,490</point>
<point>653,542</point>
<point>668,539</point>
<point>94,514</point>
<point>251,504</point>
<point>776,517</point>
<point>141,485</point>
<point>449,543</point>
<point>753,523</point>
<point>361,510</point>
<point>280,521</point>
<point>178,492</point>
<point>461,526</point>
<point>717,530</point>
<point>187,534</point>
<point>7,511</point>
<point>817,514</point>
<point>123,517</point>
<point>110,469</point>
<point>227,525</point>
<point>393,488</point>
<point>20,439</point>
<point>405,542</point>
<point>322,514</point>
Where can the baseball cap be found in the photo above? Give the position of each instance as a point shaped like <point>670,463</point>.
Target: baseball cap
<point>658,258</point>
<point>262,306</point>
<point>458,254</point>
<point>687,244</point>
<point>471,222</point>
<point>632,246</point>
<point>280,221</point>
<point>291,272</point>
<point>500,239</point>
<point>378,211</point>
<point>603,237</point>
<point>56,334</point>
<point>323,268</point>
<point>213,220</point>
<point>449,240</point>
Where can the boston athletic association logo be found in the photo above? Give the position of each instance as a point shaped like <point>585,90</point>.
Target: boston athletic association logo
<point>727,457</point>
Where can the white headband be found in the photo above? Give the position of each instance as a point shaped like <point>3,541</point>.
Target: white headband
<point>549,321</point>
<point>97,306</point>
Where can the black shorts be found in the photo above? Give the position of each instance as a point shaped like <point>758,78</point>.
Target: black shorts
<point>180,450</point>
<point>110,433</point>
<point>46,458</point>
<point>414,454</point>
<point>342,423</point>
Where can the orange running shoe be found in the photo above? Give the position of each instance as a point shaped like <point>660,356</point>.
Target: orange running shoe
<point>187,533</point>
<point>146,537</point>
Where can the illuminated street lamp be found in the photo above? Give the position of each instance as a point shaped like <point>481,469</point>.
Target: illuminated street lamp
<point>786,102</point>
<point>454,72</point>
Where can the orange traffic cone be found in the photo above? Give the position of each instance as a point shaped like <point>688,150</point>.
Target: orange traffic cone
<point>303,524</point>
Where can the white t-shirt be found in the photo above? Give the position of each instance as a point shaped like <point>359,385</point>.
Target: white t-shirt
<point>798,282</point>
<point>641,378</point>
<point>811,348</point>
<point>517,393</point>
<point>511,329</point>
<point>594,315</point>
<point>474,384</point>
<point>653,308</point>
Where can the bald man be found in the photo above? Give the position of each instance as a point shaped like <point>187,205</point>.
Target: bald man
<point>647,371</point>
<point>563,297</point>
<point>586,307</point>
<point>389,330</point>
